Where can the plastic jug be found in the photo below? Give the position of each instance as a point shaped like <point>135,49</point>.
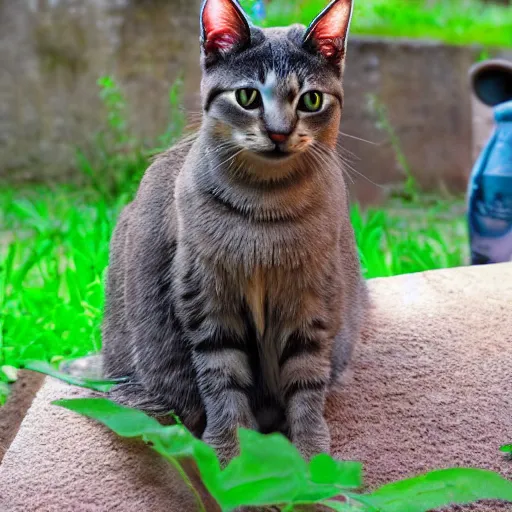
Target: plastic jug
<point>490,187</point>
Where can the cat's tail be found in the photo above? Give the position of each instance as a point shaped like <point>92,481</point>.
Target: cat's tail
<point>90,367</point>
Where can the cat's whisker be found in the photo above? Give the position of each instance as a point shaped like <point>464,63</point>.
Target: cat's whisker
<point>337,158</point>
<point>327,160</point>
<point>346,152</point>
<point>348,163</point>
<point>347,167</point>
<point>358,138</point>
<point>229,159</point>
<point>237,171</point>
<point>328,157</point>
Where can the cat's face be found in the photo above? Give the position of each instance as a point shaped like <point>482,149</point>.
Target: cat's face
<point>275,93</point>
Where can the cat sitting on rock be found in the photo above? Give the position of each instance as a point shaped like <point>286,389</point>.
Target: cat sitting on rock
<point>234,290</point>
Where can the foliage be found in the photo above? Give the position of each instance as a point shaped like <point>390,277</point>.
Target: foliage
<point>379,110</point>
<point>454,22</point>
<point>51,274</point>
<point>114,165</point>
<point>270,470</point>
<point>46,368</point>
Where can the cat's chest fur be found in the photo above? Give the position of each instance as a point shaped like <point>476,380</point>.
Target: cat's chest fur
<point>259,302</point>
<point>263,253</point>
<point>276,304</point>
<point>255,295</point>
<point>256,228</point>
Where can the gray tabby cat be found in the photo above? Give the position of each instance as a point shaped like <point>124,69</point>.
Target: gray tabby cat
<point>234,291</point>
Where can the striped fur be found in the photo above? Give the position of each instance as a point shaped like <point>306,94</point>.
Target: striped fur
<point>234,290</point>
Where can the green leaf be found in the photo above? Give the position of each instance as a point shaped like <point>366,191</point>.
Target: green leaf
<point>177,442</point>
<point>325,470</point>
<point>328,478</point>
<point>507,448</point>
<point>47,369</point>
<point>268,471</point>
<point>440,488</point>
<point>172,442</point>
<point>124,421</point>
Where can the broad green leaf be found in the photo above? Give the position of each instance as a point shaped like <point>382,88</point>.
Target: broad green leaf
<point>328,478</point>
<point>47,369</point>
<point>507,448</point>
<point>122,420</point>
<point>177,442</point>
<point>325,470</point>
<point>439,489</point>
<point>268,471</point>
<point>172,442</point>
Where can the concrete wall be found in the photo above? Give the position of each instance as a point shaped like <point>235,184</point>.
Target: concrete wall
<point>53,51</point>
<point>424,89</point>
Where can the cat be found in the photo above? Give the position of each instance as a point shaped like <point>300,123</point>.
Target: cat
<point>234,290</point>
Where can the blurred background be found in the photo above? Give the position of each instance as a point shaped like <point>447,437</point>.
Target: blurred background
<point>91,89</point>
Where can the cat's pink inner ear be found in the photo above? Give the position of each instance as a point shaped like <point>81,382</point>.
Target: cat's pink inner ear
<point>224,26</point>
<point>329,33</point>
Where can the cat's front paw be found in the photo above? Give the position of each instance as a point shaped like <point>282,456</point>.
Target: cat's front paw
<point>226,446</point>
<point>313,443</point>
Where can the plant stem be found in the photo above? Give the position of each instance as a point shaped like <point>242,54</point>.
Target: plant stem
<point>187,480</point>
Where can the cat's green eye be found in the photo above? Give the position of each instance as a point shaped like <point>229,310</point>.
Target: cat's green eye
<point>248,98</point>
<point>311,101</point>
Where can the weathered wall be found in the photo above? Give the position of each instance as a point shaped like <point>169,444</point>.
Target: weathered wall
<point>439,125</point>
<point>424,88</point>
<point>53,51</point>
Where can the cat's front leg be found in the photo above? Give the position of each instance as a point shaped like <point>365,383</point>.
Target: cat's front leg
<point>305,374</point>
<point>217,336</point>
<point>225,382</point>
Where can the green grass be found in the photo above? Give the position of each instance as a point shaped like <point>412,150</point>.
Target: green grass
<point>457,22</point>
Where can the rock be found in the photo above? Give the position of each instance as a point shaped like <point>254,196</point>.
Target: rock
<point>429,387</point>
<point>12,413</point>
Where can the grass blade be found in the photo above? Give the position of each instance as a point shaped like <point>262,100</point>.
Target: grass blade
<point>45,368</point>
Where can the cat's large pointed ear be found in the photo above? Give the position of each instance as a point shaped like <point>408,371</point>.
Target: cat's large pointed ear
<point>224,27</point>
<point>327,34</point>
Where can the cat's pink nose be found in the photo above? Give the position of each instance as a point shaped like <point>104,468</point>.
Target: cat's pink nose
<point>278,138</point>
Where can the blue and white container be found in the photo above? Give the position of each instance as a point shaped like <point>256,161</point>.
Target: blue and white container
<point>258,11</point>
<point>490,187</point>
